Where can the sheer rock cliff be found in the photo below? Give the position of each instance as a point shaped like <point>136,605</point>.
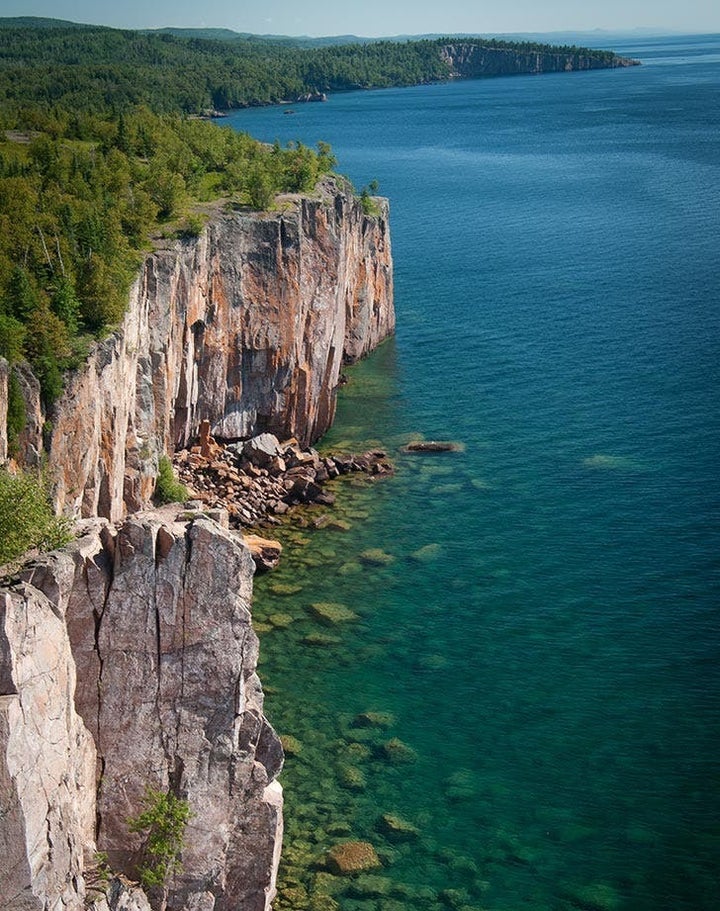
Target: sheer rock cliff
<point>472,59</point>
<point>246,326</point>
<point>153,620</point>
<point>128,659</point>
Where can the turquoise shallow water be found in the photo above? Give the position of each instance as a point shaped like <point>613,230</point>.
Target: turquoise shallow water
<point>550,660</point>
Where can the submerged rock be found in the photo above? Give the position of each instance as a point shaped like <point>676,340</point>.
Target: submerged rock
<point>426,554</point>
<point>398,752</point>
<point>331,613</point>
<point>374,720</point>
<point>375,556</point>
<point>433,446</point>
<point>397,829</point>
<point>351,777</point>
<point>352,857</point>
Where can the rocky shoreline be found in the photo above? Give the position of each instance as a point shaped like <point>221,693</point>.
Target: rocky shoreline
<point>260,479</point>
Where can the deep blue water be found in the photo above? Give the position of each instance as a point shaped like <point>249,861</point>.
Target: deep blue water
<point>553,658</point>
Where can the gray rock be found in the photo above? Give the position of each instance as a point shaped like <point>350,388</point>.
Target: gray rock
<point>262,450</point>
<point>157,615</point>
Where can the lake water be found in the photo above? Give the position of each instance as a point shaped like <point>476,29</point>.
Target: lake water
<point>539,637</point>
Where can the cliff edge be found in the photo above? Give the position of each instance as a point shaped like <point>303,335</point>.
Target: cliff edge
<point>246,326</point>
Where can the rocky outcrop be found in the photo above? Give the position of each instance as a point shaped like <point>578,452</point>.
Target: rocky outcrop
<point>157,615</point>
<point>473,59</point>
<point>128,660</point>
<point>246,326</point>
<point>47,757</point>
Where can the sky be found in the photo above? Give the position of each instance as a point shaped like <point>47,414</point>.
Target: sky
<point>371,18</point>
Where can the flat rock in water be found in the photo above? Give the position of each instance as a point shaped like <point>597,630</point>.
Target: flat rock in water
<point>433,446</point>
<point>331,613</point>
<point>352,857</point>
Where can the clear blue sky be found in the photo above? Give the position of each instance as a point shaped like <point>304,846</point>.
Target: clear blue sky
<point>382,17</point>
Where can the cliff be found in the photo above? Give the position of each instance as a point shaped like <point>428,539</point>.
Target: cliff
<point>153,621</point>
<point>127,659</point>
<point>471,60</point>
<point>246,326</point>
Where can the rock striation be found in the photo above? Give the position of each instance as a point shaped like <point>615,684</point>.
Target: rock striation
<point>156,618</point>
<point>246,326</point>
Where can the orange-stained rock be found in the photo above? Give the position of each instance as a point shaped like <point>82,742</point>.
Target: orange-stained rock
<point>265,553</point>
<point>245,327</point>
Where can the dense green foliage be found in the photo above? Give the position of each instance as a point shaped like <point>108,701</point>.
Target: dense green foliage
<point>81,193</point>
<point>98,146</point>
<point>167,487</point>
<point>26,517</point>
<point>91,68</point>
<point>163,823</point>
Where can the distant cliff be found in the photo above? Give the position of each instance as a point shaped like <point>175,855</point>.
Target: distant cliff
<point>246,326</point>
<point>470,60</point>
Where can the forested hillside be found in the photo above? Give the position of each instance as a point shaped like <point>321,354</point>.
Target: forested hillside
<point>91,68</point>
<point>100,145</point>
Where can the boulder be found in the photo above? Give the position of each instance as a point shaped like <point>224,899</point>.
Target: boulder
<point>352,857</point>
<point>265,552</point>
<point>262,450</point>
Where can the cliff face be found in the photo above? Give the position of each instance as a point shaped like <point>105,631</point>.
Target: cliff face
<point>127,660</point>
<point>156,618</point>
<point>471,60</point>
<point>47,757</point>
<point>247,326</point>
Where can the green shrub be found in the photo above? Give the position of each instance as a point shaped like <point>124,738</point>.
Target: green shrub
<point>26,517</point>
<point>163,823</point>
<point>167,487</point>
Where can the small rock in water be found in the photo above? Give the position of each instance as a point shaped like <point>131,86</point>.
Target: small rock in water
<point>595,897</point>
<point>280,621</point>
<point>433,446</point>
<point>396,828</point>
<point>374,720</point>
<point>374,556</point>
<point>291,745</point>
<point>426,554</point>
<point>433,663</point>
<point>397,752</point>
<point>352,857</point>
<point>285,589</point>
<point>331,613</point>
<point>265,553</point>
<point>351,777</point>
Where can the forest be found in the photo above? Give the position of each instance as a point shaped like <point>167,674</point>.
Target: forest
<point>103,144</point>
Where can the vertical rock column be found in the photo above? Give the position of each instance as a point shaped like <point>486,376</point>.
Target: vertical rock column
<point>166,651</point>
<point>47,758</point>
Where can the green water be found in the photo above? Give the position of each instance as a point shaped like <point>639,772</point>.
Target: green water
<point>539,633</point>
